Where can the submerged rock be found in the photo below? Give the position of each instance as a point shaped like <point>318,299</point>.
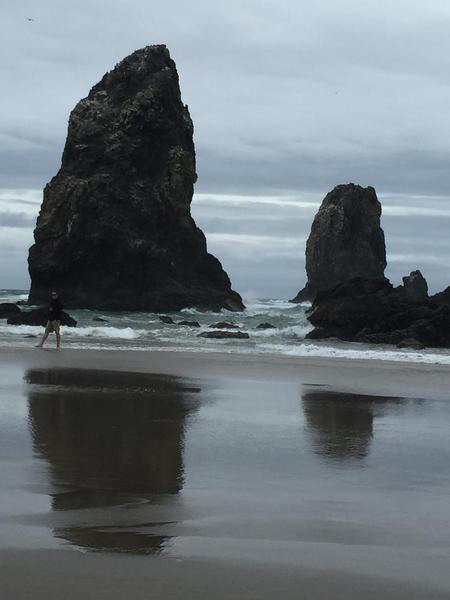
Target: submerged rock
<point>221,335</point>
<point>115,229</point>
<point>39,316</point>
<point>167,320</point>
<point>265,326</point>
<point>346,240</point>
<point>189,323</point>
<point>373,311</point>
<point>224,325</point>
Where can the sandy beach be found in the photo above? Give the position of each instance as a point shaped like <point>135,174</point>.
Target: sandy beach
<point>195,475</point>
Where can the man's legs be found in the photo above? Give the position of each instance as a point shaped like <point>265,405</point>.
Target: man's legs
<point>56,326</point>
<point>48,329</point>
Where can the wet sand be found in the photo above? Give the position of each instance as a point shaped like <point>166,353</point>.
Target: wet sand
<point>173,475</point>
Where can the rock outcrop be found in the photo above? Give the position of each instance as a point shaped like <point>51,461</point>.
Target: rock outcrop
<point>346,240</point>
<point>8,309</point>
<point>373,311</point>
<point>115,229</point>
<point>416,286</point>
<point>224,335</point>
<point>38,316</point>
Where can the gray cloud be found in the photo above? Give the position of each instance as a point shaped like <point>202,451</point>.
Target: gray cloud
<point>284,95</point>
<point>16,219</point>
<point>288,99</point>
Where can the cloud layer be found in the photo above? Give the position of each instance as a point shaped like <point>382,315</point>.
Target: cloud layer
<point>261,239</point>
<point>288,99</point>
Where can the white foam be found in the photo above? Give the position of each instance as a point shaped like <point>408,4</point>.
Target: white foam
<point>123,333</point>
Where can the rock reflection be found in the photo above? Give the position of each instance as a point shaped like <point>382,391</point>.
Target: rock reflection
<point>341,425</point>
<point>112,440</point>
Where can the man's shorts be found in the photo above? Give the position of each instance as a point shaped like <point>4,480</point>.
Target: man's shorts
<point>53,326</point>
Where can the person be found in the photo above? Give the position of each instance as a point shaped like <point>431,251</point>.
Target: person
<point>55,310</point>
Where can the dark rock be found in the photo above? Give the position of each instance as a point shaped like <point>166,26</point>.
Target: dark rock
<point>373,311</point>
<point>221,335</point>
<point>319,333</point>
<point>224,325</point>
<point>39,316</point>
<point>416,286</point>
<point>8,309</point>
<point>115,229</point>
<point>167,320</point>
<point>265,326</point>
<point>441,297</point>
<point>346,240</point>
<point>100,320</point>
<point>410,343</point>
<point>189,323</point>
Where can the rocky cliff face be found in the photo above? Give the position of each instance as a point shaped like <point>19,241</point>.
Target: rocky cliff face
<point>373,311</point>
<point>115,229</point>
<point>346,240</point>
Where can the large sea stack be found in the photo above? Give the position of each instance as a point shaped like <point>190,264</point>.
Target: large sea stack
<point>346,240</point>
<point>115,229</point>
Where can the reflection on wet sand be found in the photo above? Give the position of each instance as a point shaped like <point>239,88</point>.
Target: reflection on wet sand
<point>340,425</point>
<point>111,439</point>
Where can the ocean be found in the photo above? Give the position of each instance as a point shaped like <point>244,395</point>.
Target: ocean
<point>145,331</point>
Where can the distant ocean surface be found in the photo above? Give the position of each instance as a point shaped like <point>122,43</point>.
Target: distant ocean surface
<point>145,331</point>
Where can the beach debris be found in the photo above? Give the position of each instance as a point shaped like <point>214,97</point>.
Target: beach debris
<point>167,320</point>
<point>189,323</point>
<point>220,335</point>
<point>265,326</point>
<point>38,316</point>
<point>223,325</point>
<point>346,240</point>
<point>115,230</point>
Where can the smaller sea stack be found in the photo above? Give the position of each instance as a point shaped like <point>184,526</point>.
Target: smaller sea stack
<point>346,240</point>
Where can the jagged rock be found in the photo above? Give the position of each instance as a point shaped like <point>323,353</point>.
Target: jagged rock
<point>115,229</point>
<point>189,323</point>
<point>265,326</point>
<point>441,297</point>
<point>224,325</point>
<point>167,320</point>
<point>39,316</point>
<point>373,311</point>
<point>416,286</point>
<point>221,335</point>
<point>346,240</point>
<point>8,309</point>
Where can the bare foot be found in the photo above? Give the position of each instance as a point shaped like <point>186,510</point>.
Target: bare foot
<point>38,346</point>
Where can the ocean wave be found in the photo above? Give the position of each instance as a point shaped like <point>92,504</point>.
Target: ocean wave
<point>123,333</point>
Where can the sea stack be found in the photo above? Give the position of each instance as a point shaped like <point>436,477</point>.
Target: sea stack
<point>346,240</point>
<point>115,229</point>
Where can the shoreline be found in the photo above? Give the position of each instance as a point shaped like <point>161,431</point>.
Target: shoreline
<point>370,376</point>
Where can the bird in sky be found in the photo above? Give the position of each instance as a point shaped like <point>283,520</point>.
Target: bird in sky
<point>29,19</point>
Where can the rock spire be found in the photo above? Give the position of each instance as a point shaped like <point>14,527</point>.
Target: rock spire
<point>115,229</point>
<point>346,240</point>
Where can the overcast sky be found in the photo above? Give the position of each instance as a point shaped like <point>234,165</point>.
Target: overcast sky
<point>288,98</point>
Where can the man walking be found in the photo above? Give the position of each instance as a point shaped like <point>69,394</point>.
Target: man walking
<point>54,321</point>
